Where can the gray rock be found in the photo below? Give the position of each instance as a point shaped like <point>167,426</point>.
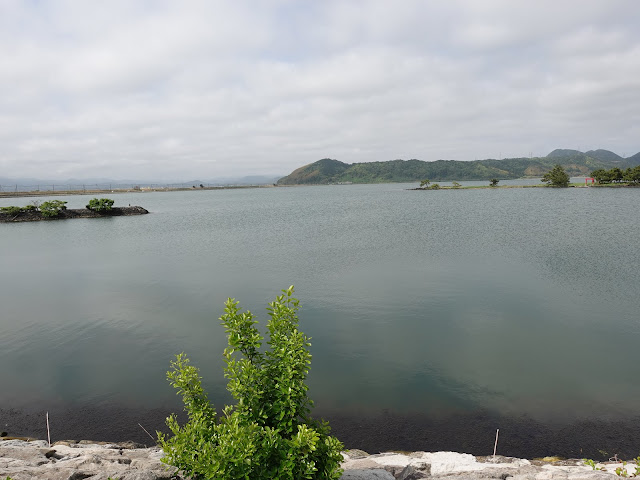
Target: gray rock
<point>360,464</point>
<point>25,460</point>
<point>415,471</point>
<point>354,453</point>
<point>22,460</point>
<point>366,474</point>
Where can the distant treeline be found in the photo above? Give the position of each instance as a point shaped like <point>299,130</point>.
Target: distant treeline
<point>616,175</point>
<point>575,163</point>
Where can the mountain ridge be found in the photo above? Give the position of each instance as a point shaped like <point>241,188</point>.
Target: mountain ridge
<point>575,163</point>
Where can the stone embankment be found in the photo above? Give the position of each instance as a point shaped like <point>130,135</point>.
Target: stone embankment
<point>22,460</point>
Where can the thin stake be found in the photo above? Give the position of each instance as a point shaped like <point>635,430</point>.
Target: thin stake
<point>495,445</point>
<point>147,433</point>
<point>48,432</point>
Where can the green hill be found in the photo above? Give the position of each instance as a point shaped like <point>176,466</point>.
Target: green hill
<point>564,152</point>
<point>605,156</point>
<point>575,163</point>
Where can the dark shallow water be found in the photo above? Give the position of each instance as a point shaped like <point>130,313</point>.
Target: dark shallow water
<point>470,432</point>
<point>455,312</point>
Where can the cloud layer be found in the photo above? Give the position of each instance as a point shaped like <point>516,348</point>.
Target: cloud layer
<point>173,90</point>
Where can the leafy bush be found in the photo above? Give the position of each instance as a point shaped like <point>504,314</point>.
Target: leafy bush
<point>269,433</point>
<point>100,204</point>
<point>52,208</point>
<point>11,210</point>
<point>29,208</point>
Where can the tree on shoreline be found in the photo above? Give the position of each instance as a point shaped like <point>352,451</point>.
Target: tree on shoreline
<point>269,433</point>
<point>557,177</point>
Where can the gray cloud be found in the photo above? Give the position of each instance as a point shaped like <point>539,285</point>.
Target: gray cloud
<point>198,89</point>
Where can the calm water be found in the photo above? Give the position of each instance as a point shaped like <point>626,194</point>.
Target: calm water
<point>518,301</point>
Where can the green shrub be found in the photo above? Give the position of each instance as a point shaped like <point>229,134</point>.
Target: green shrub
<point>52,208</point>
<point>11,210</point>
<point>269,432</point>
<point>100,204</point>
<point>29,208</point>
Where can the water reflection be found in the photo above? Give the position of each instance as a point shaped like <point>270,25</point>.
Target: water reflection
<point>511,301</point>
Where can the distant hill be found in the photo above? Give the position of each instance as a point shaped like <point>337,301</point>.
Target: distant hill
<point>605,156</point>
<point>575,163</point>
<point>633,160</point>
<point>564,152</point>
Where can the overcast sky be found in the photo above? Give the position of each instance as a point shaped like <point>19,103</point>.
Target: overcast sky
<point>180,90</point>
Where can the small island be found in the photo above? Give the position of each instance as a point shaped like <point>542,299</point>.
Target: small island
<point>57,210</point>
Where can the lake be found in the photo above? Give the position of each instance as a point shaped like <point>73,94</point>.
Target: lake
<point>457,310</point>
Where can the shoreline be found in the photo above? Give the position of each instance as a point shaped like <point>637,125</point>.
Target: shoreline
<point>23,460</point>
<point>496,187</point>
<point>48,193</point>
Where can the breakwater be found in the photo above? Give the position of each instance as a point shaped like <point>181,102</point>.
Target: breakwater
<point>35,216</point>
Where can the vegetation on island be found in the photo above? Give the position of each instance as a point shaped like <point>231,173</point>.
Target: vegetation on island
<point>574,162</point>
<point>57,209</point>
<point>100,204</point>
<point>51,208</point>
<point>427,185</point>
<point>557,177</point>
<point>269,432</point>
<point>617,175</point>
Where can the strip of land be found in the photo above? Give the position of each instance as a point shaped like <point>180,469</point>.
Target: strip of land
<point>48,193</point>
<point>36,216</point>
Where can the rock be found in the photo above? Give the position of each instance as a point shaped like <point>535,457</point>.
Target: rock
<point>23,460</point>
<point>355,453</point>
<point>415,472</point>
<point>71,460</point>
<point>360,464</point>
<point>366,474</point>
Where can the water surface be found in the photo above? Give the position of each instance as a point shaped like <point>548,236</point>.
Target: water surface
<point>508,301</point>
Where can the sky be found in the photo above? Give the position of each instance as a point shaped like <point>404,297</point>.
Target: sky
<point>201,89</point>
